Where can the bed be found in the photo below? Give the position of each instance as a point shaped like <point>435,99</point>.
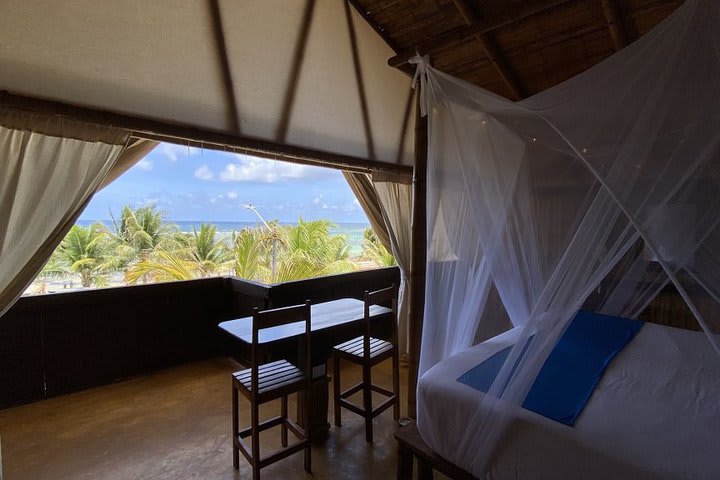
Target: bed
<point>654,414</point>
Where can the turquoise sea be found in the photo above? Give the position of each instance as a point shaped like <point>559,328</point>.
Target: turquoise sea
<point>353,231</point>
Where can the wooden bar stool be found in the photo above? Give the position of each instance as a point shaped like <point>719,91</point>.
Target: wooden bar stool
<point>270,381</point>
<point>368,351</point>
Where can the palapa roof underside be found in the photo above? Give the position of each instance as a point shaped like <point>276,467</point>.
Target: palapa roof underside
<point>300,80</point>
<point>514,48</point>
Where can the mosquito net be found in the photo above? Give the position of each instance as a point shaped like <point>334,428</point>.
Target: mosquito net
<point>595,193</point>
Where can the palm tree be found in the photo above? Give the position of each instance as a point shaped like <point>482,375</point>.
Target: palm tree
<point>376,251</point>
<point>199,254</point>
<point>208,254</point>
<point>304,250</point>
<point>85,252</point>
<point>250,250</point>
<point>310,251</point>
<point>138,234</point>
<point>161,266</point>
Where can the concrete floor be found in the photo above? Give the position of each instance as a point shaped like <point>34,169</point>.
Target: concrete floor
<point>175,424</point>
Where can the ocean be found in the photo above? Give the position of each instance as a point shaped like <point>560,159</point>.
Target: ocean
<point>352,231</point>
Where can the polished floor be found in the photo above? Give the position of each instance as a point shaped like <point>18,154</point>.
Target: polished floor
<point>175,424</point>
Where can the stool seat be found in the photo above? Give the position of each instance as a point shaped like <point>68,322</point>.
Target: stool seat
<point>356,348</point>
<point>276,377</point>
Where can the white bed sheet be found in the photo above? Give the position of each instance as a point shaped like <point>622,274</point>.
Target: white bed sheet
<point>654,414</point>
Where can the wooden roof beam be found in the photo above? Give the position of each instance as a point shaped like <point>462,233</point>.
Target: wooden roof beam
<point>225,71</point>
<point>294,78</point>
<point>491,50</point>
<point>461,34</point>
<point>186,135</point>
<point>357,67</point>
<point>614,22</point>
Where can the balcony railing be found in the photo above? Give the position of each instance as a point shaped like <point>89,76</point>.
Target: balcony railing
<point>64,342</point>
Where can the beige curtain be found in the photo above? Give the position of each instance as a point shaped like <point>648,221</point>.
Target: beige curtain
<point>50,167</point>
<point>386,199</point>
<point>135,151</point>
<point>395,200</point>
<point>364,191</point>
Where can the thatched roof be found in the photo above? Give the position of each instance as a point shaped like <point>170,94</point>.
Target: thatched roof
<point>512,47</point>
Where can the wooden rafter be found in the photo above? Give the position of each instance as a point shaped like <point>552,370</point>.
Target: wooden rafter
<point>404,127</point>
<point>491,50</point>
<point>226,73</point>
<point>357,67</point>
<point>615,24</point>
<point>294,77</point>
<point>462,34</point>
<point>188,135</point>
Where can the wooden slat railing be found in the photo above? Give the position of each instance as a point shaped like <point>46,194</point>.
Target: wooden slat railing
<point>64,342</point>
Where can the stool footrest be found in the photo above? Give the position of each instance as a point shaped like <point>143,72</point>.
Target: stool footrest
<point>352,390</point>
<point>383,406</point>
<point>383,391</point>
<point>352,407</point>
<point>267,424</point>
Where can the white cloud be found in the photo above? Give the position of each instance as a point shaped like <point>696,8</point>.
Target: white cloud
<point>251,169</point>
<point>217,198</point>
<point>158,199</point>
<point>232,195</point>
<point>351,207</point>
<point>172,152</point>
<point>204,173</point>
<point>145,165</point>
<point>317,200</point>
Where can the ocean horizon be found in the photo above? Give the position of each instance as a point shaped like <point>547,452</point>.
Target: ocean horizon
<point>353,231</point>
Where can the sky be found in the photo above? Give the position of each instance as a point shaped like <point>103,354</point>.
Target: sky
<point>199,184</point>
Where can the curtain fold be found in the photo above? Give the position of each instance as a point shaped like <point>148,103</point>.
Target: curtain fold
<point>364,191</point>
<point>135,151</point>
<point>387,202</point>
<point>51,168</point>
<point>395,200</point>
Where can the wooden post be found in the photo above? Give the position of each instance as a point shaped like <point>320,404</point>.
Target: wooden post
<point>419,254</point>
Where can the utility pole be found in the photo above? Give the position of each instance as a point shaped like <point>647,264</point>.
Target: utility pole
<point>251,207</point>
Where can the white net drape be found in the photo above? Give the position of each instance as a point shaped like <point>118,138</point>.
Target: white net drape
<point>395,199</point>
<point>598,191</point>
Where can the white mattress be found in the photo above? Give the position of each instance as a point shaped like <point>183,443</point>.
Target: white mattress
<point>654,414</point>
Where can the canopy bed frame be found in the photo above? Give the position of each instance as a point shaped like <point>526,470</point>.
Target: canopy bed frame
<point>539,202</point>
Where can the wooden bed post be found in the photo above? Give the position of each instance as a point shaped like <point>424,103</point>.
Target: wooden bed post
<point>419,254</point>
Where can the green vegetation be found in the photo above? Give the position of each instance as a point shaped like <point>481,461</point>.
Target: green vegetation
<point>141,246</point>
<point>310,251</point>
<point>85,253</point>
<point>376,251</point>
<point>197,255</point>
